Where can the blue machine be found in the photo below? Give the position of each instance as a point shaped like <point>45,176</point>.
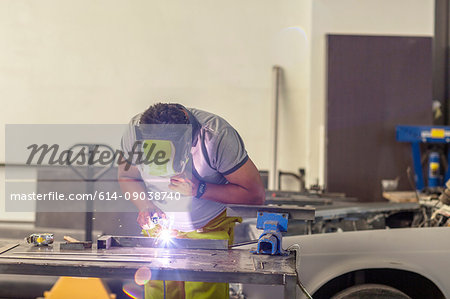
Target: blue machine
<point>273,225</point>
<point>433,170</point>
<point>426,134</point>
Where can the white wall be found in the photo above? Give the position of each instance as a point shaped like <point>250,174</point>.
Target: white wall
<point>366,17</point>
<point>103,61</point>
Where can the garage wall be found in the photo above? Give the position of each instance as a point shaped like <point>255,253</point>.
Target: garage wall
<point>360,17</point>
<point>103,61</point>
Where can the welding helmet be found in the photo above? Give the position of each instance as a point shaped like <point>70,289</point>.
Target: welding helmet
<point>166,148</point>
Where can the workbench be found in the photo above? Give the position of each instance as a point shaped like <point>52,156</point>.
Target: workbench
<point>231,266</point>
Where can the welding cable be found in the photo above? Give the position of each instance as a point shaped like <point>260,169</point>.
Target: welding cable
<point>244,243</point>
<point>296,248</point>
<point>302,287</point>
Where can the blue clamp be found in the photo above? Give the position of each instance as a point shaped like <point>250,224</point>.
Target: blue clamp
<point>273,225</point>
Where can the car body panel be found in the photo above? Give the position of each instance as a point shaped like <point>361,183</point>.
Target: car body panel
<point>425,251</point>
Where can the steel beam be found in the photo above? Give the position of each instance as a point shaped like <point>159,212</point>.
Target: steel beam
<point>250,211</point>
<point>106,242</point>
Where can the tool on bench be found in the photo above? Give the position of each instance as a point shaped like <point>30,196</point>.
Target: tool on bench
<point>43,239</point>
<point>274,221</point>
<point>273,225</point>
<point>74,244</point>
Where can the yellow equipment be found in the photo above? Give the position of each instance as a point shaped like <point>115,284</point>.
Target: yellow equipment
<point>79,287</point>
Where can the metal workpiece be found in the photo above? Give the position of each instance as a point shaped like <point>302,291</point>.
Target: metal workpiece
<point>75,245</point>
<point>107,242</point>
<point>238,266</point>
<point>251,211</point>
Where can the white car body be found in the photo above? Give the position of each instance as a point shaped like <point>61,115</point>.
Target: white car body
<point>323,257</point>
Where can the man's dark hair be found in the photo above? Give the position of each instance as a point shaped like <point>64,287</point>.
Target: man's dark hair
<point>165,113</point>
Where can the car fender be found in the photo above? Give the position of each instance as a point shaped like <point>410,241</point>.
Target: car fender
<point>423,251</point>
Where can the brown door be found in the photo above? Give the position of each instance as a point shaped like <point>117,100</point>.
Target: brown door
<point>374,84</point>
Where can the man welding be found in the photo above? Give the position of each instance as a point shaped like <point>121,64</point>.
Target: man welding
<point>199,161</point>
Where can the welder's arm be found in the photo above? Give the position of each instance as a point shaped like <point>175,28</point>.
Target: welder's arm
<point>130,180</point>
<point>245,187</point>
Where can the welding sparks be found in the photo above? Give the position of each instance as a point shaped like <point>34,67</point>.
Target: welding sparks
<point>165,234</point>
<point>165,237</point>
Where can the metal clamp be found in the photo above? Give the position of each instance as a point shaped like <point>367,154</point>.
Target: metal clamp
<point>273,225</point>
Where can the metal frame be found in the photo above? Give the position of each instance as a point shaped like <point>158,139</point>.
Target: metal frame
<point>251,211</point>
<point>108,241</point>
<point>231,266</point>
<point>273,177</point>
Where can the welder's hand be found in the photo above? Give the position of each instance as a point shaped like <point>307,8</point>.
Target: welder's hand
<point>144,218</point>
<point>186,186</point>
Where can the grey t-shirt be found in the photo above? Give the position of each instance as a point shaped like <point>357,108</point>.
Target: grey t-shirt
<point>219,151</point>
